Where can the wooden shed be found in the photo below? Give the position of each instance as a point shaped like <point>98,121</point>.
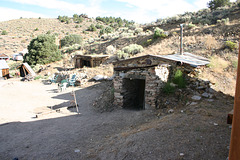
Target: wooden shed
<point>89,60</point>
<point>4,69</point>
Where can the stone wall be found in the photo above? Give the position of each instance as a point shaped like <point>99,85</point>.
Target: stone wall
<point>154,77</point>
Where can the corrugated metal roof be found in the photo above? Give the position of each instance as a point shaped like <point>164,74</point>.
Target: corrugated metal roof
<point>187,58</point>
<point>3,64</point>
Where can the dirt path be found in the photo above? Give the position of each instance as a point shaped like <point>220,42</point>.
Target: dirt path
<point>120,134</point>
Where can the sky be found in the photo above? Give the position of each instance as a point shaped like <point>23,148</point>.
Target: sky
<point>140,11</point>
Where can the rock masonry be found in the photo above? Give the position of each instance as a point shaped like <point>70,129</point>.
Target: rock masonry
<point>154,78</point>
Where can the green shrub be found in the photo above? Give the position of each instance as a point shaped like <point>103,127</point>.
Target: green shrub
<point>4,32</point>
<point>230,45</point>
<point>214,4</point>
<point>179,79</point>
<point>92,28</point>
<point>71,40</point>
<point>190,25</point>
<point>235,64</point>
<point>168,88</point>
<point>77,26</point>
<point>98,26</point>
<point>36,29</point>
<point>13,66</point>
<point>42,50</point>
<point>38,77</point>
<point>110,49</point>
<point>133,49</point>
<point>122,55</point>
<point>138,30</point>
<point>148,42</point>
<point>159,33</point>
<point>108,29</point>
<point>225,21</point>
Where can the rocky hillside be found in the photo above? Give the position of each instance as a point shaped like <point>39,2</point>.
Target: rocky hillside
<point>21,31</point>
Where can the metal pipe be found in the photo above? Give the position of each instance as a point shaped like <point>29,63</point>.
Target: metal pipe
<point>234,152</point>
<point>181,39</point>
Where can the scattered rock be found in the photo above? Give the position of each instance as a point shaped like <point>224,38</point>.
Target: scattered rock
<point>181,154</point>
<point>196,98</point>
<point>193,103</point>
<point>101,77</point>
<point>210,100</point>
<point>170,111</point>
<point>205,94</point>
<point>76,150</point>
<point>215,124</point>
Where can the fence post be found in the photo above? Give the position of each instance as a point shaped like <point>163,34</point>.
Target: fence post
<point>234,152</point>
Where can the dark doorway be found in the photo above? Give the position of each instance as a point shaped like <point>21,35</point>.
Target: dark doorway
<point>134,93</point>
<point>86,63</point>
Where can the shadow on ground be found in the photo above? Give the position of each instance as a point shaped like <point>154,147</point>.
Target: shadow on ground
<point>197,132</point>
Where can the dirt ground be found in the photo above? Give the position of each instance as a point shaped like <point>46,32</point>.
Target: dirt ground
<point>195,131</point>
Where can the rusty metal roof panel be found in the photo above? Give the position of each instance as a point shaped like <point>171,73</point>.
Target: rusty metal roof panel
<point>187,58</point>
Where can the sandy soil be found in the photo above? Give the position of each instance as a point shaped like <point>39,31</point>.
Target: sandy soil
<point>194,132</point>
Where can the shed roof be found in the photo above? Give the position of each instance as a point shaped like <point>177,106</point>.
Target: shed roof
<point>3,64</point>
<point>186,58</point>
<point>92,56</point>
<point>2,55</point>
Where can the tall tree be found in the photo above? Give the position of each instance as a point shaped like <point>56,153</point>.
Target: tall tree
<point>42,50</point>
<point>213,4</point>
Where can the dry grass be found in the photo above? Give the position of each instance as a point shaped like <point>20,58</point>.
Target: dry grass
<point>218,64</point>
<point>210,42</point>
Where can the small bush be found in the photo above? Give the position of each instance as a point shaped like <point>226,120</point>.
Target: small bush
<point>159,33</point>
<point>138,30</point>
<point>190,25</point>
<point>36,29</point>
<point>168,88</point>
<point>179,79</point>
<point>235,64</point>
<point>98,26</point>
<point>148,42</point>
<point>133,49</point>
<point>92,28</point>
<point>71,40</point>
<point>230,45</point>
<point>38,77</point>
<point>122,55</point>
<point>110,49</point>
<point>4,32</point>
<point>108,29</point>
